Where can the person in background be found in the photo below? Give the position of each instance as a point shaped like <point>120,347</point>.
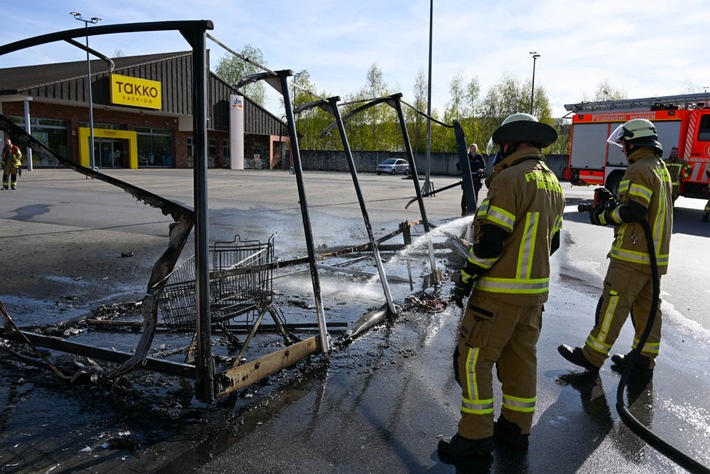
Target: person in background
<point>11,163</point>
<point>477,165</point>
<point>679,169</point>
<point>706,211</point>
<point>516,229</point>
<point>645,194</point>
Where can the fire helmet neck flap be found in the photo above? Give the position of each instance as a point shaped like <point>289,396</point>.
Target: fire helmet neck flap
<point>523,128</point>
<point>638,132</point>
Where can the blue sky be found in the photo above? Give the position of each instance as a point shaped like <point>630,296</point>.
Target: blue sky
<point>644,48</point>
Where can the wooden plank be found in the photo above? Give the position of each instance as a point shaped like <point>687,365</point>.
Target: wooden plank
<point>243,375</point>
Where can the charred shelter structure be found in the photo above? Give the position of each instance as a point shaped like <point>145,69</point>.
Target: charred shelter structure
<point>202,97</point>
<point>142,107</point>
<point>208,383</point>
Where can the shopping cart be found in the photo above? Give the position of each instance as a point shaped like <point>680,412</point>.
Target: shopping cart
<point>240,284</point>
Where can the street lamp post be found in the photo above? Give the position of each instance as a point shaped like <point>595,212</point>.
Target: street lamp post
<point>427,182</point>
<point>93,20</point>
<point>532,92</point>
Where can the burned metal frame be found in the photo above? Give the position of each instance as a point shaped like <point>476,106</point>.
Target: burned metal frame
<point>194,33</point>
<point>395,101</point>
<point>331,106</point>
<point>208,385</point>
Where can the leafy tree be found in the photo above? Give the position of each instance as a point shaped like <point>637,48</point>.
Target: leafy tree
<point>470,125</point>
<point>312,122</point>
<point>508,97</point>
<point>605,91</point>
<point>232,68</point>
<point>455,107</point>
<point>416,121</point>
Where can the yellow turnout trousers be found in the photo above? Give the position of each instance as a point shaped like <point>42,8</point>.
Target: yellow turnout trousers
<point>495,332</point>
<point>627,289</point>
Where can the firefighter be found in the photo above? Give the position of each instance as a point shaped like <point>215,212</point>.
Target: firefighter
<point>679,169</point>
<point>516,228</point>
<point>645,193</point>
<point>706,211</point>
<point>11,163</point>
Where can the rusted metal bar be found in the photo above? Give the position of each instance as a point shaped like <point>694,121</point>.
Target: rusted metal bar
<point>238,377</point>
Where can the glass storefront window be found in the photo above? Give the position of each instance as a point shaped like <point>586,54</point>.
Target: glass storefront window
<point>211,152</point>
<point>51,132</point>
<point>155,147</point>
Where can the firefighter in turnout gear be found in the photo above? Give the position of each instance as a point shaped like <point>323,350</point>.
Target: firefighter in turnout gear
<point>645,193</point>
<point>11,163</point>
<point>679,169</point>
<point>706,211</point>
<point>516,229</point>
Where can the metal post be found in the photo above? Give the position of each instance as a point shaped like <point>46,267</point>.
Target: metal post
<point>28,129</point>
<point>466,181</point>
<point>532,92</point>
<point>365,216</point>
<point>298,169</point>
<point>396,102</point>
<point>93,20</point>
<point>427,182</point>
<point>204,362</point>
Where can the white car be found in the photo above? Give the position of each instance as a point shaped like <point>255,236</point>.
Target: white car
<point>393,166</point>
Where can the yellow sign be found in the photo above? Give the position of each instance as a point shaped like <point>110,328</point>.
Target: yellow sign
<point>136,92</point>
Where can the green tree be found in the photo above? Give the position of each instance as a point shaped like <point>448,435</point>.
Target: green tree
<point>456,109</point>
<point>511,96</point>
<point>470,124</point>
<point>313,121</point>
<point>232,68</point>
<point>416,122</point>
<point>373,128</point>
<point>605,91</point>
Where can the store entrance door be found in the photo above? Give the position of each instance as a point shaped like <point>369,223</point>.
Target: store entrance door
<point>111,153</point>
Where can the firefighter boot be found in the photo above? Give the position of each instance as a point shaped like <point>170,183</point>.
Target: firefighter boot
<point>576,356</point>
<point>509,433</point>
<point>458,448</point>
<point>641,365</point>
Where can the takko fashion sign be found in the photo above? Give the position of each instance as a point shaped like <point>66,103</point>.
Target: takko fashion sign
<point>136,92</point>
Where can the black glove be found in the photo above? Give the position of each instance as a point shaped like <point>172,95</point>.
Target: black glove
<point>602,196</point>
<point>599,216</point>
<point>462,291</point>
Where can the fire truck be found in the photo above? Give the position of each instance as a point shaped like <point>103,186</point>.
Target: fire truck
<point>682,121</point>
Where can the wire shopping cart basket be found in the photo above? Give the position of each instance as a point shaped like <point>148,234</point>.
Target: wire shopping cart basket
<point>240,283</point>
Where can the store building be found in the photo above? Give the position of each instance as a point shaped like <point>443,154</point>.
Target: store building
<point>142,114</point>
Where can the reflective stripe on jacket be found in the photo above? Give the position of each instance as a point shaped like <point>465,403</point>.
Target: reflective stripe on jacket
<point>526,200</point>
<point>647,182</point>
